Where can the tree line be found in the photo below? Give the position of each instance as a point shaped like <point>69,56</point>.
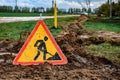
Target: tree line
<point>19,9</point>
<point>37,10</point>
<point>104,9</point>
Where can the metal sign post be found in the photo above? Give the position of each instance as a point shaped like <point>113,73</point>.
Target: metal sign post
<point>41,11</point>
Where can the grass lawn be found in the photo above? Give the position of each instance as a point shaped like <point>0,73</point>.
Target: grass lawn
<point>17,14</point>
<point>107,50</point>
<point>111,52</point>
<point>13,30</point>
<point>106,26</point>
<point>4,14</point>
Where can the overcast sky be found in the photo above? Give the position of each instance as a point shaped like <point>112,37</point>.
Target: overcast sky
<point>48,3</point>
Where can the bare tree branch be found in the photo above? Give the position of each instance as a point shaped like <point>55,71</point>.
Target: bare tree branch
<point>88,2</point>
<point>80,2</point>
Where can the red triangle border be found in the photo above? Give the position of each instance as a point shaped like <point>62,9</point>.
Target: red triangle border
<point>40,22</point>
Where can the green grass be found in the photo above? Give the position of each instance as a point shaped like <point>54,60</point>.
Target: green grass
<point>92,16</point>
<point>106,26</point>
<point>5,14</point>
<point>18,14</point>
<point>13,30</point>
<point>107,50</point>
<point>113,18</point>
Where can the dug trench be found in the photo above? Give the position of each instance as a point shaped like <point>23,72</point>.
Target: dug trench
<point>81,65</point>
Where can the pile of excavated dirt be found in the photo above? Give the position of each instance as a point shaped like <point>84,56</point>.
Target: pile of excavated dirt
<point>83,18</point>
<point>81,65</point>
<point>98,37</point>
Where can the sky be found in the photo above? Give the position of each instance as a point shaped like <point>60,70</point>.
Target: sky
<point>48,3</point>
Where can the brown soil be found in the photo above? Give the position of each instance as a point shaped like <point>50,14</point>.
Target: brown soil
<point>81,65</point>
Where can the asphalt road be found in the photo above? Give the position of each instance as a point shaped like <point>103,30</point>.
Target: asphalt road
<point>17,19</point>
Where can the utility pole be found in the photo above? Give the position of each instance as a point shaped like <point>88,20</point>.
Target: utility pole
<point>16,6</point>
<point>15,2</point>
<point>110,8</point>
<point>108,1</point>
<point>118,1</point>
<point>52,4</point>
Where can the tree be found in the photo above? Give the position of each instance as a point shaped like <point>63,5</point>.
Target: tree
<point>62,11</point>
<point>89,10</point>
<point>37,10</point>
<point>108,1</point>
<point>42,9</point>
<point>6,9</point>
<point>33,9</point>
<point>74,10</point>
<point>119,1</point>
<point>98,12</point>
<point>78,10</point>
<point>17,9</point>
<point>25,9</point>
<point>105,9</point>
<point>49,10</point>
<point>84,9</point>
<point>88,2</point>
<point>79,1</point>
<point>71,10</point>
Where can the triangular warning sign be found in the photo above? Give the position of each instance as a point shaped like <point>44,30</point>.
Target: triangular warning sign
<point>39,48</point>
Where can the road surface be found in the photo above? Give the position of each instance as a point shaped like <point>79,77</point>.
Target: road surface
<point>17,19</point>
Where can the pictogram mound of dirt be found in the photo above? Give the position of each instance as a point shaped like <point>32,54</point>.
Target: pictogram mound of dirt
<point>81,65</point>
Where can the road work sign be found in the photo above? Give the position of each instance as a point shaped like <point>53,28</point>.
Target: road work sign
<point>39,48</point>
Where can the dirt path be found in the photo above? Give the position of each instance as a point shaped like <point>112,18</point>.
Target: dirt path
<point>17,19</point>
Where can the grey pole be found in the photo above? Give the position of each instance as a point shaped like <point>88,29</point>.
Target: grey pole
<point>41,11</point>
<point>110,8</point>
<point>16,2</point>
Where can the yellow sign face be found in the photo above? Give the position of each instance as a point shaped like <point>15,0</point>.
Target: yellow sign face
<point>39,48</point>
